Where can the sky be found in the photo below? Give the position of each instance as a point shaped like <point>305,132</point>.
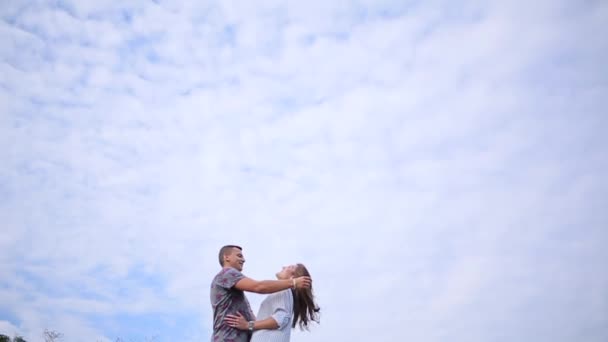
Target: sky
<point>440,167</point>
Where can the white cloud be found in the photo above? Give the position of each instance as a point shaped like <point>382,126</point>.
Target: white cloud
<point>8,329</point>
<point>439,168</point>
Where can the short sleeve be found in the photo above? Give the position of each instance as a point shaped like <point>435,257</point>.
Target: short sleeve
<point>229,278</point>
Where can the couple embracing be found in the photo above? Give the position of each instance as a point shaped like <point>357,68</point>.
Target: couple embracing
<point>290,302</point>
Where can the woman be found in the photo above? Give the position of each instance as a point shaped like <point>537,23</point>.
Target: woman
<point>281,311</point>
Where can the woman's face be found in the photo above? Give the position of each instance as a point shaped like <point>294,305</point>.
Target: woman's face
<point>286,272</point>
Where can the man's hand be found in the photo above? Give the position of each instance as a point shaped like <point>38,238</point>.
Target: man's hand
<point>237,321</point>
<point>302,282</point>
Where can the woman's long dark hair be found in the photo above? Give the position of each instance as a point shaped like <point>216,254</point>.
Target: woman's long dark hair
<point>305,309</point>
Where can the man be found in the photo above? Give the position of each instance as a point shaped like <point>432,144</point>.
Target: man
<point>227,296</point>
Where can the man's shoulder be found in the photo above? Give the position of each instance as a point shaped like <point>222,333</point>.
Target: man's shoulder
<point>228,273</point>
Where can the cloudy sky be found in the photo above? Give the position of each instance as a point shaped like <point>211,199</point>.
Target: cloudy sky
<point>441,167</point>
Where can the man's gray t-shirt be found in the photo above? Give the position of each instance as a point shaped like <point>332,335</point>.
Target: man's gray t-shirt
<point>226,299</point>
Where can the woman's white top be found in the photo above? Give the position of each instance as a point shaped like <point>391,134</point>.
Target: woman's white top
<point>279,306</point>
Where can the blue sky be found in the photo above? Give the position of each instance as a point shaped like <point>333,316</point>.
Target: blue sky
<point>439,167</point>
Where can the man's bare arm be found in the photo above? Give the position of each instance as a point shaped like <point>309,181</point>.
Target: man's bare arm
<point>238,321</point>
<point>271,286</point>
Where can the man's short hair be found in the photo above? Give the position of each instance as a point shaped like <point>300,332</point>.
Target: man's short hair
<point>226,250</point>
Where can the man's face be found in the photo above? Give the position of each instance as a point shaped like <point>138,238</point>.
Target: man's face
<point>235,259</point>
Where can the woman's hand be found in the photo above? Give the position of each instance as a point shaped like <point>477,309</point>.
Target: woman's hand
<point>237,321</point>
